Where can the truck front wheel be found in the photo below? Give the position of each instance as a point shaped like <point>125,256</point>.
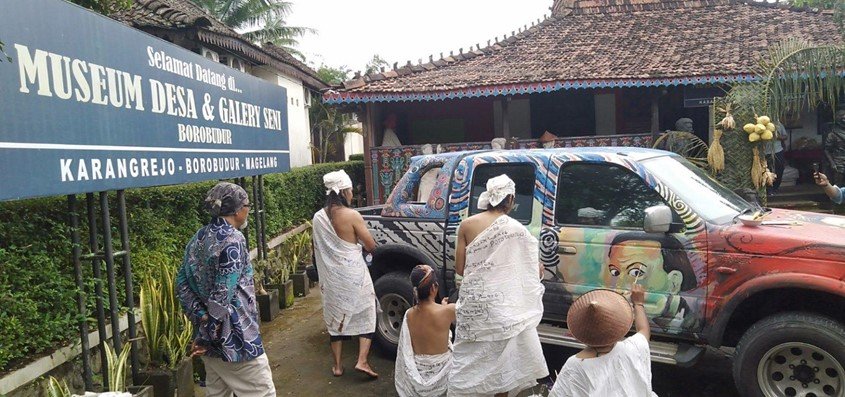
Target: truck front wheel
<point>395,295</point>
<point>791,354</point>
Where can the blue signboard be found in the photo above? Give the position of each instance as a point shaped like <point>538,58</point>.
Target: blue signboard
<point>88,104</point>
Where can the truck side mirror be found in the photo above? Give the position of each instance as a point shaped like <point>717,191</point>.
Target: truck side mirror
<point>658,219</point>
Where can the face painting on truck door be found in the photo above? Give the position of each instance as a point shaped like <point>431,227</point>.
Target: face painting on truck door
<point>598,241</point>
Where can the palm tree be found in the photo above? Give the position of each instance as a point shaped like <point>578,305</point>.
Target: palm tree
<point>792,75</point>
<point>259,21</point>
<point>796,74</point>
<point>329,128</point>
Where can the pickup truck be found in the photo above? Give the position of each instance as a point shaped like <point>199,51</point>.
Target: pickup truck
<point>608,217</point>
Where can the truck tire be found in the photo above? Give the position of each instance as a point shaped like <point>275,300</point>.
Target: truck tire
<point>791,354</point>
<point>395,295</point>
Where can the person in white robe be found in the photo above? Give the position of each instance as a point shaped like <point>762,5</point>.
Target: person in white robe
<point>497,349</point>
<point>349,300</point>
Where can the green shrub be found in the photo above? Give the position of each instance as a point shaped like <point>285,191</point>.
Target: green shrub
<point>37,288</point>
<point>356,157</point>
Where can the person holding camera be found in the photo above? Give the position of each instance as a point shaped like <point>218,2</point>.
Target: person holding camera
<point>834,192</point>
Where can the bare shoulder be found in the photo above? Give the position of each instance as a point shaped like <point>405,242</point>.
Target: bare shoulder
<point>347,214</point>
<point>472,220</point>
<point>446,312</point>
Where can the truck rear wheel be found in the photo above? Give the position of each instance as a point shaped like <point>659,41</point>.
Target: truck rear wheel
<point>395,295</point>
<point>791,354</point>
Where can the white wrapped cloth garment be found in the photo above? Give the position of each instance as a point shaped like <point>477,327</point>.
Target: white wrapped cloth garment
<point>349,300</point>
<point>497,348</point>
<point>420,375</point>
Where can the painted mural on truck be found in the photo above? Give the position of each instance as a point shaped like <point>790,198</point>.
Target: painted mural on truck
<point>587,210</point>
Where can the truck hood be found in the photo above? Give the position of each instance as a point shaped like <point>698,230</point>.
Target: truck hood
<point>808,235</point>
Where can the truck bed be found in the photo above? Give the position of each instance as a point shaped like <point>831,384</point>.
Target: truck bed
<point>374,210</point>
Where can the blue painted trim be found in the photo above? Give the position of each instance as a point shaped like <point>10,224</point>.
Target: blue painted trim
<point>335,98</point>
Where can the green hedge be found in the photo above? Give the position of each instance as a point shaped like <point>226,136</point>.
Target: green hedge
<point>37,288</point>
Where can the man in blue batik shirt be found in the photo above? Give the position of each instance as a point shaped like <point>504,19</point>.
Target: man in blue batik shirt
<point>217,291</point>
<point>834,192</point>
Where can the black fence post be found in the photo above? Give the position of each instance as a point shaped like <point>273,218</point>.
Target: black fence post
<point>87,376</point>
<point>98,284</point>
<point>128,283</point>
<point>108,255</point>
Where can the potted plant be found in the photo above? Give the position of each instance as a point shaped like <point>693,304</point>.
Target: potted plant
<point>279,276</point>
<point>168,333</point>
<point>301,250</point>
<point>116,368</point>
<point>267,298</point>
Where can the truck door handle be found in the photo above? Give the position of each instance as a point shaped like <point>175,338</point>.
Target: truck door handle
<point>725,270</point>
<point>566,250</point>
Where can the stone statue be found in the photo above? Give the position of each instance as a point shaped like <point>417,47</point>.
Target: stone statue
<point>675,142</point>
<point>684,124</point>
<point>834,146</point>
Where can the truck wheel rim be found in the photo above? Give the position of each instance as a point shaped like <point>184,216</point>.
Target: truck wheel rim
<point>393,308</point>
<point>800,369</point>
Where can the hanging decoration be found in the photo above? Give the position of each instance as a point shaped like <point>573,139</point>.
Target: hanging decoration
<point>715,153</point>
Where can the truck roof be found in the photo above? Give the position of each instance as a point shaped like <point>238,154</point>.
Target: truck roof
<point>635,153</point>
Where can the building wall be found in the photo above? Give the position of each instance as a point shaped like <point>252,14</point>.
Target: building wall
<point>605,104</point>
<point>519,118</point>
<point>563,113</point>
<point>449,121</point>
<point>353,144</point>
<point>299,125</point>
<point>807,128</point>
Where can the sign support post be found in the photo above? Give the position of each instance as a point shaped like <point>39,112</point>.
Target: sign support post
<point>87,377</point>
<point>127,281</point>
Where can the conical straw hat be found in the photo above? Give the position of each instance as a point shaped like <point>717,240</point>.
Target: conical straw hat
<point>600,318</point>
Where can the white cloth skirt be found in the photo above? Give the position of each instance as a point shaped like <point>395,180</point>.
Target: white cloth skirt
<point>490,367</point>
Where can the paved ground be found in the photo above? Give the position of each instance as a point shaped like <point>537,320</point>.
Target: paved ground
<point>298,349</point>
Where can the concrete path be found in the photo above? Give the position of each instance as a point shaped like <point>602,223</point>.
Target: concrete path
<point>298,348</point>
<point>297,345</point>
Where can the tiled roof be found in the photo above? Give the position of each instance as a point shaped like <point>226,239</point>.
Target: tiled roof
<point>605,43</point>
<point>171,14</point>
<point>184,14</point>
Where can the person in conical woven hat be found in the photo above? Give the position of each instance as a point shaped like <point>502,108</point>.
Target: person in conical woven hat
<point>349,300</point>
<point>610,365</point>
<point>497,349</point>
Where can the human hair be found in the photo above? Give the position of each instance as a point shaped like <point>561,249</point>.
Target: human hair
<point>332,200</point>
<point>674,255</point>
<point>422,278</point>
<point>504,206</point>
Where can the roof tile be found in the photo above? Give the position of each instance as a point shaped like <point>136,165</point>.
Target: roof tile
<point>622,40</point>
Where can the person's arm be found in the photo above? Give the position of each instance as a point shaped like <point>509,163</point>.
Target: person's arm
<point>832,191</point>
<point>640,319</point>
<point>460,253</point>
<point>362,233</point>
<point>190,301</point>
<point>234,258</point>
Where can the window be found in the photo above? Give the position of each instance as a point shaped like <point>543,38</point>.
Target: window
<point>427,181</point>
<point>523,178</point>
<point>604,195</point>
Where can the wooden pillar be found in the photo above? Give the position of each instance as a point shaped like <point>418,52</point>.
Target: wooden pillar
<point>655,112</point>
<point>369,121</point>
<point>506,126</point>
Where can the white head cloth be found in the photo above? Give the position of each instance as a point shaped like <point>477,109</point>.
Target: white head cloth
<point>497,189</point>
<point>337,181</point>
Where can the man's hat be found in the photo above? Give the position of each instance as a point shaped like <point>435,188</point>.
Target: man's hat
<point>600,318</point>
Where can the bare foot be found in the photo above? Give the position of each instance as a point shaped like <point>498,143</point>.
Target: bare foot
<point>365,368</point>
<point>337,371</point>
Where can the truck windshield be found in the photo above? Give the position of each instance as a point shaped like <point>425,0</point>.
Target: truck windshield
<point>706,197</point>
